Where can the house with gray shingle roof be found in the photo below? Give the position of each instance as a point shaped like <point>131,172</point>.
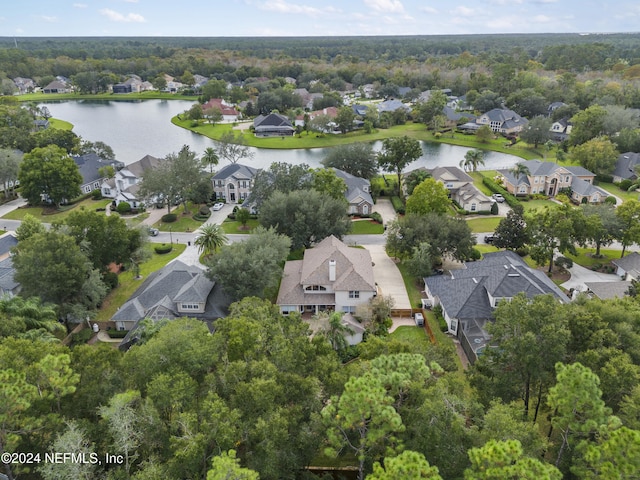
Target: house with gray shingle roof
<point>548,178</point>
<point>502,120</point>
<point>468,296</point>
<point>626,167</point>
<point>461,189</point>
<point>89,166</point>
<point>233,183</point>
<point>358,193</point>
<point>392,105</point>
<point>124,186</point>
<point>628,267</point>
<point>177,290</point>
<point>331,276</point>
<point>8,285</point>
<point>272,125</point>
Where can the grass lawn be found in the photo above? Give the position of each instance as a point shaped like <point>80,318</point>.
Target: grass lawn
<point>413,335</point>
<point>477,180</point>
<point>483,224</point>
<point>60,124</point>
<point>585,259</point>
<point>614,190</point>
<point>64,212</point>
<point>366,227</point>
<point>185,223</point>
<point>537,204</point>
<point>232,226</point>
<point>128,284</point>
<point>486,248</point>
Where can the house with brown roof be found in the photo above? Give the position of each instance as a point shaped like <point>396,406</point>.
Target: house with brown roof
<point>331,276</point>
<point>229,114</point>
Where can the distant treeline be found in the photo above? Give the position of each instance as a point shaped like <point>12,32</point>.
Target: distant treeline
<point>566,51</point>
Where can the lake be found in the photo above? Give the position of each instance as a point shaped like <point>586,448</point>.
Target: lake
<point>135,128</point>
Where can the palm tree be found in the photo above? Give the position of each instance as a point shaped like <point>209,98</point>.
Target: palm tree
<point>335,330</point>
<point>35,316</point>
<point>211,238</point>
<point>472,159</point>
<point>520,169</point>
<point>210,157</point>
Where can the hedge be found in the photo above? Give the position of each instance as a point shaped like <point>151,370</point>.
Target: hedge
<point>398,205</point>
<point>113,333</point>
<point>511,200</point>
<point>169,218</point>
<point>162,249</point>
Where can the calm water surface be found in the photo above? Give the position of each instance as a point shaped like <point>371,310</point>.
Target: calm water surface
<point>138,128</point>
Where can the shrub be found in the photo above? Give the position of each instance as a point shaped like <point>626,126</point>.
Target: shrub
<point>81,337</point>
<point>494,208</point>
<point>625,184</point>
<point>204,211</point>
<point>523,251</point>
<point>376,216</point>
<point>110,279</point>
<point>475,254</point>
<point>511,200</point>
<point>398,205</point>
<point>163,248</point>
<point>169,218</point>
<point>564,262</point>
<point>610,200</point>
<point>96,194</point>
<point>123,207</point>
<point>113,333</point>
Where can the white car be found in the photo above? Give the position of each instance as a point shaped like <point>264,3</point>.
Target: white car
<point>218,206</point>
<point>498,197</point>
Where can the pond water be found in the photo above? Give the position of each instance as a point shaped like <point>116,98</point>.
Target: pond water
<point>143,127</point>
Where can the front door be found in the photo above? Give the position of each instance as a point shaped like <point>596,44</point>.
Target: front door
<point>232,197</point>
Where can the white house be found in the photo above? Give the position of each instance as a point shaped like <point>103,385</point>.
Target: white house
<point>123,187</point>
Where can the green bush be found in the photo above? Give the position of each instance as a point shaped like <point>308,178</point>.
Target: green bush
<point>81,337</point>
<point>494,208</point>
<point>162,249</point>
<point>113,333</point>
<point>437,311</point>
<point>376,216</point>
<point>169,218</point>
<point>610,200</point>
<point>110,279</point>
<point>625,184</point>
<point>123,207</point>
<point>204,211</point>
<point>511,200</point>
<point>398,205</point>
<point>564,262</point>
<point>96,194</point>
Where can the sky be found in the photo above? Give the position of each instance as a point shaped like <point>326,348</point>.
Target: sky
<point>242,18</point>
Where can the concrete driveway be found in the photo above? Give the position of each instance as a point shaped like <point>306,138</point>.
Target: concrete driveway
<point>581,275</point>
<point>384,207</point>
<point>388,276</point>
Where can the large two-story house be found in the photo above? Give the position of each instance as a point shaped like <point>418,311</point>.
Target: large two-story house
<point>233,183</point>
<point>91,167</point>
<point>469,296</point>
<point>461,189</point>
<point>502,120</point>
<point>331,277</point>
<point>124,186</point>
<point>548,178</point>
<point>358,193</point>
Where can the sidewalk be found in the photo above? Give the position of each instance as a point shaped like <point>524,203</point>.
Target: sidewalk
<point>11,206</point>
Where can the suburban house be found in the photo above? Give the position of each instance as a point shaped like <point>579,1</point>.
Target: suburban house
<point>24,85</point>
<point>359,110</point>
<point>331,112</point>
<point>8,285</point>
<point>502,120</point>
<point>628,267</point>
<point>124,186</point>
<point>273,125</point>
<point>306,97</point>
<point>57,86</point>
<point>461,189</point>
<point>89,166</point>
<point>561,129</point>
<point>454,117</point>
<point>358,193</point>
<point>175,291</point>
<point>468,296</point>
<point>233,183</point>
<point>331,276</point>
<point>548,178</point>
<point>133,84</point>
<point>626,167</point>
<point>554,106</point>
<point>229,114</point>
<point>392,105</point>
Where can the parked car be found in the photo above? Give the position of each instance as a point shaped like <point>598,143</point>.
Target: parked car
<point>498,197</point>
<point>153,231</point>
<point>489,238</point>
<point>419,319</point>
<point>218,206</point>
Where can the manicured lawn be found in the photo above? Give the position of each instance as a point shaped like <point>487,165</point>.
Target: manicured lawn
<point>185,223</point>
<point>483,224</point>
<point>60,124</point>
<point>585,258</point>
<point>64,212</point>
<point>486,248</point>
<point>366,227</point>
<point>614,190</point>
<point>412,284</point>
<point>232,226</point>
<point>413,335</point>
<point>477,180</point>
<point>128,284</point>
<point>537,204</point>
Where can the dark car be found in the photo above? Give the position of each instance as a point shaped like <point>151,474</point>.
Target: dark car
<point>489,238</point>
<point>153,231</point>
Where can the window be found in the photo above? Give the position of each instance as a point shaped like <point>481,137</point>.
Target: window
<point>567,179</point>
<point>349,309</point>
<point>244,184</point>
<point>87,189</point>
<point>473,207</point>
<point>315,288</point>
<point>448,185</point>
<point>190,306</point>
<point>232,186</point>
<point>354,294</point>
<point>107,191</point>
<point>535,180</point>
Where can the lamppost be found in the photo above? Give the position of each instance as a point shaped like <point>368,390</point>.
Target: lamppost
<point>170,235</point>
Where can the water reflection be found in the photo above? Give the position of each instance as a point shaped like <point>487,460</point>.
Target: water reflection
<point>135,128</point>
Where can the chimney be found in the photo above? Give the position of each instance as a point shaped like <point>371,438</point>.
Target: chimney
<point>332,270</point>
